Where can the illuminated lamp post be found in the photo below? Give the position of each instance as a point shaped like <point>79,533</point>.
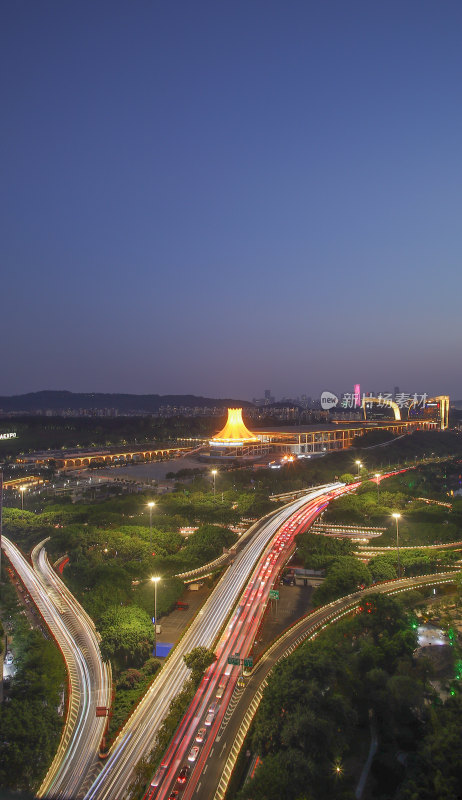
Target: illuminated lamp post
<point>150,506</point>
<point>377,476</point>
<point>397,517</point>
<point>359,465</point>
<point>155,581</point>
<point>22,489</point>
<point>214,473</point>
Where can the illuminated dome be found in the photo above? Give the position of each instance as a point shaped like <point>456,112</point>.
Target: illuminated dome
<point>235,433</point>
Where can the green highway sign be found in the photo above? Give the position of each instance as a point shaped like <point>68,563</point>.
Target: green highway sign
<point>248,663</point>
<point>274,594</point>
<point>234,660</point>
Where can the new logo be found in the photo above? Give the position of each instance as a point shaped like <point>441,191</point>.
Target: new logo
<point>328,400</point>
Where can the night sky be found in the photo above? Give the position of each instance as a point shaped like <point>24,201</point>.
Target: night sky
<point>223,197</point>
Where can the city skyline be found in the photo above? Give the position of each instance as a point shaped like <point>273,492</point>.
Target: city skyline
<point>216,199</point>
<point>347,398</point>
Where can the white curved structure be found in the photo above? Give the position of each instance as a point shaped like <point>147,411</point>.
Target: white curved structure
<point>90,683</point>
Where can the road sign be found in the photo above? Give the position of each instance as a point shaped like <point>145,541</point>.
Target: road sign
<point>274,594</point>
<point>248,663</point>
<point>153,620</point>
<point>234,660</point>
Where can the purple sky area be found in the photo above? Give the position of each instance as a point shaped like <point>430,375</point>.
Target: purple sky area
<point>223,197</point>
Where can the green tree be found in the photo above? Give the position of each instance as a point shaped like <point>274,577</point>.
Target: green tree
<point>198,660</point>
<point>344,576</point>
<point>127,635</point>
<point>30,726</point>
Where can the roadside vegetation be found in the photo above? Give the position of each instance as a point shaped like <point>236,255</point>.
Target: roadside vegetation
<point>430,512</point>
<point>421,524</point>
<point>358,680</point>
<point>110,548</point>
<point>31,714</point>
<point>113,552</point>
<point>130,686</point>
<point>346,573</point>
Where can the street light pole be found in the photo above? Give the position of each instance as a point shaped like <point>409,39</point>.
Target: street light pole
<point>155,581</point>
<point>359,465</point>
<point>214,473</point>
<point>397,517</point>
<point>377,476</point>
<point>22,489</point>
<point>150,506</point>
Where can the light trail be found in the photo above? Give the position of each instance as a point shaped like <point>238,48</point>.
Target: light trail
<point>70,773</point>
<point>89,679</point>
<point>118,770</point>
<point>237,639</point>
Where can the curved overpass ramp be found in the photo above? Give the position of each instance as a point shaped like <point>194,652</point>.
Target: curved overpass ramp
<point>89,679</point>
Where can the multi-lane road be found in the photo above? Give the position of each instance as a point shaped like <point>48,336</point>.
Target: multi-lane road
<point>89,678</point>
<point>137,737</point>
<point>185,764</point>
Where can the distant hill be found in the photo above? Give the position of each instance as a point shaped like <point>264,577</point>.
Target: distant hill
<point>56,401</point>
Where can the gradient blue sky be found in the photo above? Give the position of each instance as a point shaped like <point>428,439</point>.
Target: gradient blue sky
<point>223,197</point>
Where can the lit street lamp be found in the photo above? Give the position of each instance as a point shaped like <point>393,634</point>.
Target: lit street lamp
<point>155,580</point>
<point>397,516</point>
<point>214,473</point>
<point>22,489</point>
<point>150,506</point>
<point>377,476</point>
<point>359,465</point>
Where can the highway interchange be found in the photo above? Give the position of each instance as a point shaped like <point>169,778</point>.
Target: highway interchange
<point>233,612</point>
<point>137,737</point>
<point>89,679</point>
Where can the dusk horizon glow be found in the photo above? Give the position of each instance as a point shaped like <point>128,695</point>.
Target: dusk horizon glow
<point>221,199</point>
